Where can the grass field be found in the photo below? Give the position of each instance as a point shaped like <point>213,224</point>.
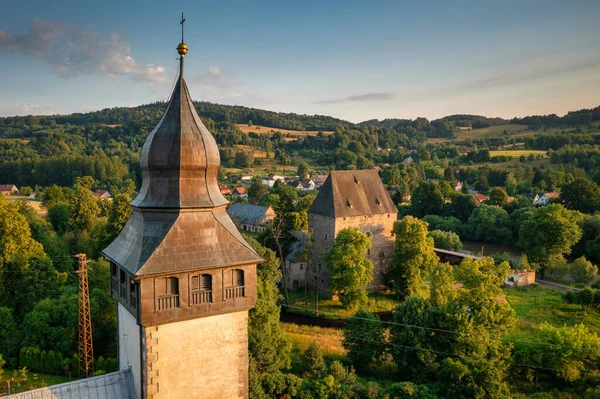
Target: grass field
<point>33,380</point>
<point>516,153</point>
<point>536,305</point>
<point>36,205</point>
<point>333,309</point>
<point>329,339</point>
<point>270,130</point>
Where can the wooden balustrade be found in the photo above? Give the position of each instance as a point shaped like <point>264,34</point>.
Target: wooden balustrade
<point>234,292</point>
<point>168,301</point>
<point>201,297</point>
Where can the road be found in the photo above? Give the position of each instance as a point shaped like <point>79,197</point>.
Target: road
<point>555,286</point>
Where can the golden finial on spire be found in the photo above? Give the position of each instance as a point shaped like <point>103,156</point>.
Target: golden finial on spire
<point>182,49</point>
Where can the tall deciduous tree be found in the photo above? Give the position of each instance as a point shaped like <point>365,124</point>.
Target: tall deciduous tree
<point>363,339</point>
<point>498,197</point>
<point>582,195</point>
<point>350,270</point>
<point>303,169</point>
<point>413,257</point>
<point>427,199</point>
<point>489,223</point>
<point>582,270</point>
<point>84,209</point>
<point>257,190</point>
<point>549,233</point>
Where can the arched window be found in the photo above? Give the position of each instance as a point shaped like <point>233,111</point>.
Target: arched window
<point>167,293</point>
<point>236,289</point>
<point>201,289</point>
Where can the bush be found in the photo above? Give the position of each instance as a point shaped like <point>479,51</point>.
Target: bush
<point>446,240</point>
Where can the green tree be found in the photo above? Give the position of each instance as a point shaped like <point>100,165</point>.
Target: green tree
<point>581,194</point>
<point>84,209</point>
<point>268,349</point>
<point>350,270</point>
<point>9,334</point>
<point>582,270</point>
<point>489,223</point>
<point>303,169</point>
<point>446,240</point>
<point>549,233</point>
<point>363,339</point>
<point>119,214</point>
<point>58,215</point>
<point>312,364</point>
<point>498,197</point>
<point>427,199</point>
<point>510,184</point>
<point>413,257</point>
<point>257,190</point>
<point>462,206</point>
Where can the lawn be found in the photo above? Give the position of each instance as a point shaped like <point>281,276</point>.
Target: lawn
<point>329,339</point>
<point>536,305</point>
<point>270,130</point>
<point>33,380</point>
<point>36,205</point>
<point>333,309</point>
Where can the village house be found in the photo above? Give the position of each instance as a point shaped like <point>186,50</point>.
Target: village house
<point>408,161</point>
<point>224,189</point>
<point>247,179</point>
<point>319,180</point>
<point>546,198</point>
<point>103,194</point>
<point>303,185</point>
<point>353,198</point>
<point>8,189</point>
<point>534,197</point>
<point>296,263</point>
<point>239,192</point>
<point>252,218</point>
<point>480,198</point>
<point>520,278</point>
<point>458,186</point>
<point>271,180</point>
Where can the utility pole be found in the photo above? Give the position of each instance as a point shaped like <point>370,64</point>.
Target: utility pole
<point>86,350</point>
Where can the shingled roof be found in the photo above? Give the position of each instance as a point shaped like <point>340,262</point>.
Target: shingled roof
<point>179,220</point>
<point>352,193</point>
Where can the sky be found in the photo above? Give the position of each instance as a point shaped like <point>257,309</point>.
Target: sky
<point>355,60</point>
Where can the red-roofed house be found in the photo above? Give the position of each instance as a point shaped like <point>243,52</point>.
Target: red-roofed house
<point>240,192</point>
<point>224,189</point>
<point>8,189</point>
<point>480,198</point>
<point>104,194</point>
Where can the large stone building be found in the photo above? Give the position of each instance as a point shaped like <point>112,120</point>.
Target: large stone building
<point>355,198</point>
<point>181,273</point>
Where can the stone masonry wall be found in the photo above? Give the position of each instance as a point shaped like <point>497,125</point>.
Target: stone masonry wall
<point>379,227</point>
<point>204,358</point>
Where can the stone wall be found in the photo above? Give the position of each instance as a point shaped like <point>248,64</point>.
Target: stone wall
<point>378,227</point>
<point>201,358</point>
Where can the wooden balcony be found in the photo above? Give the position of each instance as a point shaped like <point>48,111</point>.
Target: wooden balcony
<point>168,301</point>
<point>114,286</point>
<point>234,292</point>
<point>199,297</point>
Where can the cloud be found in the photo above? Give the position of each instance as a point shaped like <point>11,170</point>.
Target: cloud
<point>72,51</point>
<point>368,97</point>
<point>8,109</point>
<point>215,78</point>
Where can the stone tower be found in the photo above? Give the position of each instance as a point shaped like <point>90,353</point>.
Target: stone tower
<point>181,273</point>
<point>352,198</point>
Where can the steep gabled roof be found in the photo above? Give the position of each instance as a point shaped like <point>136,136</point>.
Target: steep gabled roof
<point>353,193</point>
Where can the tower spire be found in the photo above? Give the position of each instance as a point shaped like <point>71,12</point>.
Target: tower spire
<point>182,49</point>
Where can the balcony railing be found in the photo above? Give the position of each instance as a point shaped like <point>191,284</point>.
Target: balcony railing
<point>234,292</point>
<point>199,297</point>
<point>133,300</point>
<point>168,301</point>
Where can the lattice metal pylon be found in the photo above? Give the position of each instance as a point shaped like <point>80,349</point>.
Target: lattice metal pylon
<point>86,350</point>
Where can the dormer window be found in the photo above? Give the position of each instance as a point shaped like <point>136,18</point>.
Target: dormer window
<point>348,203</point>
<point>167,293</point>
<point>201,289</point>
<point>377,201</point>
<point>356,180</point>
<point>236,289</point>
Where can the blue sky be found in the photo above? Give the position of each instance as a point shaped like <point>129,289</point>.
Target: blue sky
<point>355,60</point>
